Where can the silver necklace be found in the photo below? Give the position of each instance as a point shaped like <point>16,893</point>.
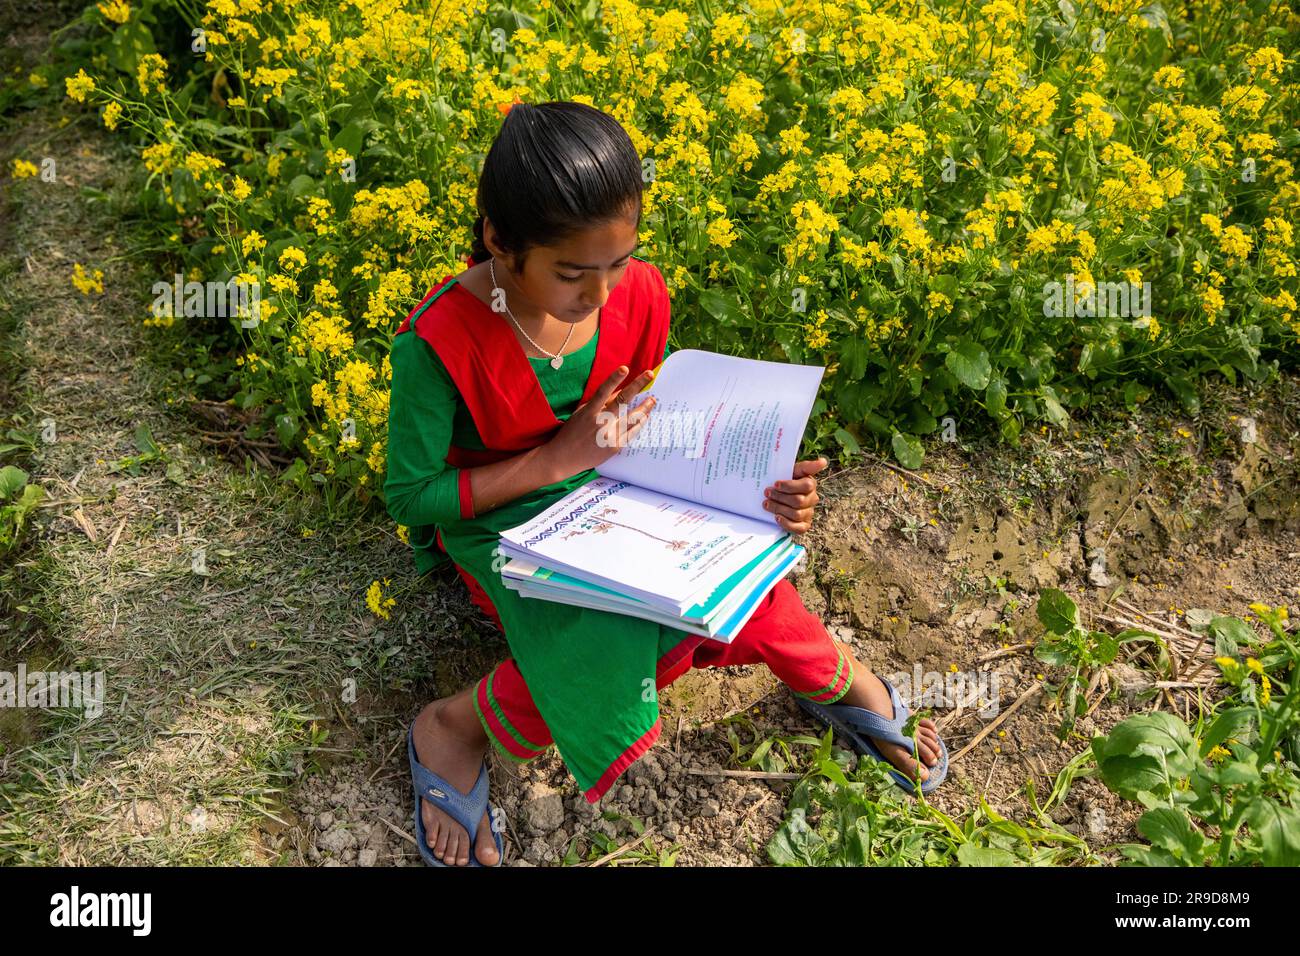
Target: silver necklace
<point>556,359</point>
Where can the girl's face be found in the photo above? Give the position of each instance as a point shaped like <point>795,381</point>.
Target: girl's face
<point>568,280</point>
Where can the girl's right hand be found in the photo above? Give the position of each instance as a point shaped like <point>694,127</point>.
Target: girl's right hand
<point>591,435</point>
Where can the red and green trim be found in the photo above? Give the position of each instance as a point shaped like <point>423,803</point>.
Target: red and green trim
<point>673,664</point>
<point>625,760</point>
<point>678,660</point>
<point>422,306</point>
<point>500,731</point>
<point>838,686</point>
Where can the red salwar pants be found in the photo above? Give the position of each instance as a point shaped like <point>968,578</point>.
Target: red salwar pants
<point>782,633</point>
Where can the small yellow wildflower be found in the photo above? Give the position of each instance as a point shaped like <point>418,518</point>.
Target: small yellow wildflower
<point>85,282</point>
<point>112,114</point>
<point>116,10</point>
<point>79,86</point>
<point>375,600</point>
<point>293,259</point>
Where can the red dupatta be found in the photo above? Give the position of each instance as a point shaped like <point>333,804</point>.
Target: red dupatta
<point>494,376</point>
<point>592,697</point>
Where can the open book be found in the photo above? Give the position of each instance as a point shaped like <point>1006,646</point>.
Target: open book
<point>674,529</point>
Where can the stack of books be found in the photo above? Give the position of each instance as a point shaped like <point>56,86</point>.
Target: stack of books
<point>674,529</point>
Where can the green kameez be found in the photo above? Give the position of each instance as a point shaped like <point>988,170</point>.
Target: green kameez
<point>603,728</point>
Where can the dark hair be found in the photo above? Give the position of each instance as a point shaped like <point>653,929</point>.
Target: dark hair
<point>554,169</point>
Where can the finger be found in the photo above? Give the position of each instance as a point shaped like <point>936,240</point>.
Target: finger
<point>809,467</point>
<point>631,432</point>
<point>794,523</point>
<point>634,389</point>
<point>796,485</point>
<point>794,527</point>
<point>794,514</point>
<point>606,389</point>
<point>628,389</point>
<point>637,415</point>
<point>800,502</point>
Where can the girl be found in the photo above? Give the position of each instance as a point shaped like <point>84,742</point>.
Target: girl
<point>499,376</point>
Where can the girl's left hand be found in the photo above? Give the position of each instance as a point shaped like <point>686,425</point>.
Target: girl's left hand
<point>793,501</point>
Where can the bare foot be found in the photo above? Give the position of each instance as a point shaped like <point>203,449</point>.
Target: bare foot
<point>445,743</point>
<point>869,692</point>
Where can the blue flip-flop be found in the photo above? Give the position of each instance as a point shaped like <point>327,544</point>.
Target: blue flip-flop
<point>467,809</point>
<point>859,725</point>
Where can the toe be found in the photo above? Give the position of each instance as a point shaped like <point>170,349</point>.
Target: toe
<point>431,828</point>
<point>935,749</point>
<point>441,842</point>
<point>485,848</point>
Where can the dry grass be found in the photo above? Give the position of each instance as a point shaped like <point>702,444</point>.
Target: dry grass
<point>219,685</point>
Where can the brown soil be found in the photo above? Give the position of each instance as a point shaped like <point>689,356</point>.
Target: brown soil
<point>1165,513</point>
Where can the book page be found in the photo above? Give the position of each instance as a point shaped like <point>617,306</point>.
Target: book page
<point>656,547</point>
<point>723,429</point>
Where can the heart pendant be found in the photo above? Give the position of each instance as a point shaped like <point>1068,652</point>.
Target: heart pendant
<point>557,361</point>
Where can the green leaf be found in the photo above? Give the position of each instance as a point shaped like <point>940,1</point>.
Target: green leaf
<point>723,307</point>
<point>1233,722</point>
<point>286,427</point>
<point>1144,755</point>
<point>1185,391</point>
<point>908,450</point>
<point>968,854</point>
<point>1154,14</point>
<point>1056,413</point>
<point>301,184</point>
<point>1059,614</point>
<point>1135,392</point>
<point>1239,774</point>
<point>970,363</point>
<point>995,396</point>
<point>144,441</point>
<point>1010,430</point>
<point>130,42</point>
<point>1230,633</point>
<point>32,496</point>
<point>854,353</point>
<point>1051,654</point>
<point>1105,647</point>
<point>1278,828</point>
<point>1172,830</point>
<point>350,138</point>
<point>796,843</point>
<point>11,479</point>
